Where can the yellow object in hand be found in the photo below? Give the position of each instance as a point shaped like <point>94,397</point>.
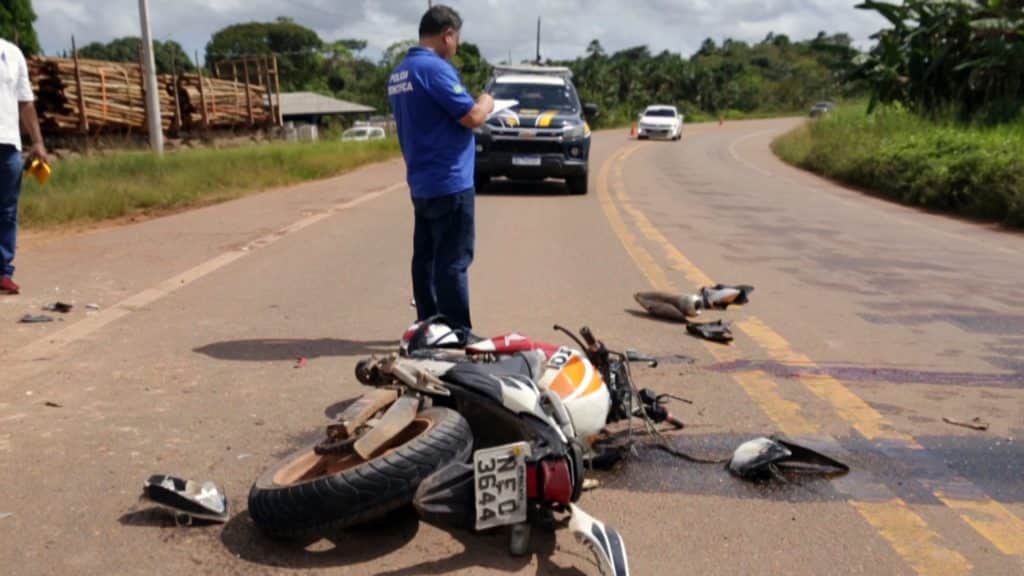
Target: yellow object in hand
<point>40,170</point>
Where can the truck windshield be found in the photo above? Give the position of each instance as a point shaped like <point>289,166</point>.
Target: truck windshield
<point>537,97</point>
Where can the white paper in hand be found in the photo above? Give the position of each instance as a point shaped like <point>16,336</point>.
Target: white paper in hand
<point>502,105</point>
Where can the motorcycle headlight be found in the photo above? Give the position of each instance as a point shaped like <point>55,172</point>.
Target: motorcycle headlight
<point>575,131</point>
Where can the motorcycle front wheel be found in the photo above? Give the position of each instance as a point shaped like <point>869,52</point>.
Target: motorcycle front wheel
<point>307,493</point>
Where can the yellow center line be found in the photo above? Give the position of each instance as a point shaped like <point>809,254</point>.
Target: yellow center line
<point>989,518</point>
<point>907,533</point>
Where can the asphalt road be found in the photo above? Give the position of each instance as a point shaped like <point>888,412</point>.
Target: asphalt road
<point>871,323</point>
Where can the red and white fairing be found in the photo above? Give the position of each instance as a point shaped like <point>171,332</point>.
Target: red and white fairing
<point>568,374</point>
<point>511,344</point>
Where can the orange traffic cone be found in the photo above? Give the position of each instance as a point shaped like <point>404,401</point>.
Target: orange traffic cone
<point>632,130</point>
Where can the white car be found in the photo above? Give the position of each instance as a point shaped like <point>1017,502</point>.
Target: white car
<point>660,122</point>
<point>363,133</point>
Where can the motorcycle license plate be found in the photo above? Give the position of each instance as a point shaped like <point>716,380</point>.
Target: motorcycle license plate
<point>526,160</point>
<point>500,478</point>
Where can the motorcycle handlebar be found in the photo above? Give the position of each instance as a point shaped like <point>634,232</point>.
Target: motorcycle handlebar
<point>588,336</point>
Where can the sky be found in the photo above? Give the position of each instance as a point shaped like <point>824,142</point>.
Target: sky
<point>498,27</point>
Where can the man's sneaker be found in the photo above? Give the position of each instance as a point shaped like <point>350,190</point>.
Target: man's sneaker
<point>7,286</point>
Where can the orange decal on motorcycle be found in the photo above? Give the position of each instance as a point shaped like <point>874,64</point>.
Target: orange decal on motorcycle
<point>571,378</point>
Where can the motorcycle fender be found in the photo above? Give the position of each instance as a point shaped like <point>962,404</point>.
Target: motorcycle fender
<point>603,541</point>
<point>446,497</point>
<point>395,420</point>
<point>364,408</point>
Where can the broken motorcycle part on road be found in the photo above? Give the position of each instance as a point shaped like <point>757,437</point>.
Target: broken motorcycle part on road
<point>716,331</point>
<point>62,307</point>
<point>680,307</point>
<point>35,319</point>
<point>187,500</point>
<point>767,458</point>
<point>974,423</point>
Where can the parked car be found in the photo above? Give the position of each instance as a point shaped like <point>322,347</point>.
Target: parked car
<point>363,133</point>
<point>660,121</point>
<point>544,135</point>
<point>821,108</point>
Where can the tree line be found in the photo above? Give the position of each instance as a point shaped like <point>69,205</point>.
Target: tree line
<point>966,55</point>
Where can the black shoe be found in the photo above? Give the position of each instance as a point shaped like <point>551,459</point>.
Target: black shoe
<point>468,338</point>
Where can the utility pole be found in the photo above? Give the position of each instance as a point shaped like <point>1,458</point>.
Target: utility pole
<point>156,131</point>
<point>538,40</point>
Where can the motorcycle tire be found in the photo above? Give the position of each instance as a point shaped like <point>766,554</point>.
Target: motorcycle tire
<point>306,493</point>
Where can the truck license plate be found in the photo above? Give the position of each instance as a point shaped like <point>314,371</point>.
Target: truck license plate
<point>500,478</point>
<point>526,160</point>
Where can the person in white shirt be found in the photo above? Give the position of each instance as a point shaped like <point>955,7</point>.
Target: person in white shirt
<point>16,105</point>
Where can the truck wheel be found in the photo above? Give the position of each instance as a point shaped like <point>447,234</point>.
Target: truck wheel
<point>577,184</point>
<point>308,493</point>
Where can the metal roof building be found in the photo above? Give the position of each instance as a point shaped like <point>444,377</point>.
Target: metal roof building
<point>310,108</point>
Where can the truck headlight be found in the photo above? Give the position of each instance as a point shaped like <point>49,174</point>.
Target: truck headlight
<point>574,132</point>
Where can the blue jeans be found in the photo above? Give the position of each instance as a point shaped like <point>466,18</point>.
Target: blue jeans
<point>442,252</point>
<point>10,188</point>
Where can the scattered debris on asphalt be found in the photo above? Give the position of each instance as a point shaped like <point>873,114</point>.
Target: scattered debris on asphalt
<point>767,458</point>
<point>4,515</point>
<point>93,307</point>
<point>53,404</point>
<point>187,500</point>
<point>243,456</point>
<point>717,331</point>
<point>62,307</point>
<point>680,307</point>
<point>973,424</point>
<point>33,319</point>
<point>300,362</point>
<point>590,484</point>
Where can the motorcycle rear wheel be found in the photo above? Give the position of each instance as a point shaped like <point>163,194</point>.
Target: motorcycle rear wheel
<point>307,493</point>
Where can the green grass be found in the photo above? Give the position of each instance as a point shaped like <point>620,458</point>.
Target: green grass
<point>117,184</point>
<point>973,171</point>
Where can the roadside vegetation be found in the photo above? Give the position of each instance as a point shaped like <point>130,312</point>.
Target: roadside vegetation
<point>944,126</point>
<point>975,171</point>
<point>115,185</point>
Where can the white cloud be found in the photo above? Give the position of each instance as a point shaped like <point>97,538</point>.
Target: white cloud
<point>497,26</point>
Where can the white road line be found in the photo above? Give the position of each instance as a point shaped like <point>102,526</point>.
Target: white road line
<point>46,346</point>
<point>736,156</point>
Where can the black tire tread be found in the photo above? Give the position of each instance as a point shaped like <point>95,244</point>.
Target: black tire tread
<point>363,493</point>
<point>577,185</point>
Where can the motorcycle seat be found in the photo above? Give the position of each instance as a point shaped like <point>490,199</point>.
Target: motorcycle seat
<point>519,370</point>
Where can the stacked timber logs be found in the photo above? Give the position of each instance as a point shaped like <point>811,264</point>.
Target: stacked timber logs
<point>225,101</point>
<point>95,97</point>
<point>110,94</point>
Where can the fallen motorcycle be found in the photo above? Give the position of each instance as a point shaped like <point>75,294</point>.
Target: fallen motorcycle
<point>498,433</point>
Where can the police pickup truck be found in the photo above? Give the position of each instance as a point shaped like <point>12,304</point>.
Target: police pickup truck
<point>544,135</point>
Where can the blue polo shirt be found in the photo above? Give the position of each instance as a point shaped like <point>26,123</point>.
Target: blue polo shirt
<point>428,100</point>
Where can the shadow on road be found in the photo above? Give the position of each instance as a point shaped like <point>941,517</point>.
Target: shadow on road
<point>378,539</point>
<point>648,316</point>
<point>503,187</point>
<point>272,349</point>
<point>489,551</point>
<point>371,541</point>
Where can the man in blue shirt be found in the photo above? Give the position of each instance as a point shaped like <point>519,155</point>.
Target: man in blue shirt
<point>435,117</point>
